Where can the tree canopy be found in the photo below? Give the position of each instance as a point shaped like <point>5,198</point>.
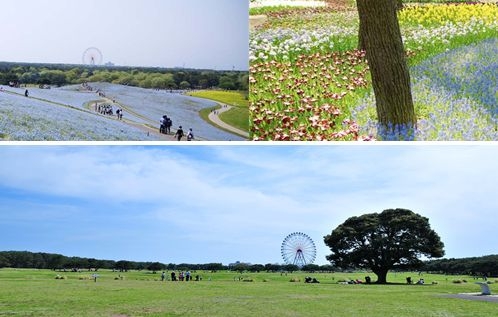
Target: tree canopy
<point>392,239</point>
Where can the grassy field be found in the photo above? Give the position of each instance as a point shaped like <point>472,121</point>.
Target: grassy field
<point>238,116</point>
<point>38,293</point>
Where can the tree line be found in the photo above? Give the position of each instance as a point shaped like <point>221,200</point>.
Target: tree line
<point>145,77</point>
<point>50,261</point>
<point>484,265</point>
<point>24,259</point>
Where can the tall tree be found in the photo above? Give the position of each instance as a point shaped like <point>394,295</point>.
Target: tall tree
<point>380,36</point>
<point>395,238</point>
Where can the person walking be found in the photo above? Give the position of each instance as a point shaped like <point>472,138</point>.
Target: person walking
<point>190,135</point>
<point>179,133</point>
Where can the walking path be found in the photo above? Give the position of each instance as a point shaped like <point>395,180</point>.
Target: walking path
<point>475,296</point>
<point>214,117</point>
<point>145,127</point>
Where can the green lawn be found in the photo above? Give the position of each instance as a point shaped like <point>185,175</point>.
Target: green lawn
<point>38,293</point>
<point>238,116</point>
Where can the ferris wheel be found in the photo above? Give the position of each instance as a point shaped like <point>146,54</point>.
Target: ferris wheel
<point>298,249</point>
<point>92,56</point>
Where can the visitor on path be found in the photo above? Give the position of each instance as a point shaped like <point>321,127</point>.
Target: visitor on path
<point>163,275</point>
<point>168,124</point>
<point>162,124</point>
<point>26,93</point>
<point>173,276</point>
<point>179,133</point>
<point>190,135</point>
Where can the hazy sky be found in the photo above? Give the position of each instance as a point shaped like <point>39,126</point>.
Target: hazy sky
<point>204,204</point>
<point>209,34</point>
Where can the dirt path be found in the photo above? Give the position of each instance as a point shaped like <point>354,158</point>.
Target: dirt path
<point>214,117</point>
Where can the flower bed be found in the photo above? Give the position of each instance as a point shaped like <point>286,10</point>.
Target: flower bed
<point>307,61</point>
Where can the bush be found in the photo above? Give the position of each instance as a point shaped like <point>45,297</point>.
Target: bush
<point>459,281</point>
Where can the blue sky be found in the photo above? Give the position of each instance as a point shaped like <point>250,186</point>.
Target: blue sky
<point>217,203</point>
<point>210,34</point>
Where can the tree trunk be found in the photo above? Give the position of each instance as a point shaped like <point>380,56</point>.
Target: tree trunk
<point>399,4</point>
<point>381,276</point>
<point>390,77</point>
<point>361,37</point>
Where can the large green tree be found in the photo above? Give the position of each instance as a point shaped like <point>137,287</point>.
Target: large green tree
<point>394,238</point>
<point>380,37</point>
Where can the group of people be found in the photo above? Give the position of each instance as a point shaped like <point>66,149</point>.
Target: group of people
<point>107,109</point>
<point>180,134</point>
<point>165,128</point>
<point>410,281</point>
<point>166,124</point>
<point>86,86</point>
<point>119,113</point>
<point>182,276</point>
<point>309,279</point>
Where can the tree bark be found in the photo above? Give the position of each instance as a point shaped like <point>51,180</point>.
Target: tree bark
<point>399,4</point>
<point>381,276</point>
<point>361,36</point>
<point>385,53</point>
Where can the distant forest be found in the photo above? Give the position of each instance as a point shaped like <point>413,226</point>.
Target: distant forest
<point>485,265</point>
<point>145,77</point>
